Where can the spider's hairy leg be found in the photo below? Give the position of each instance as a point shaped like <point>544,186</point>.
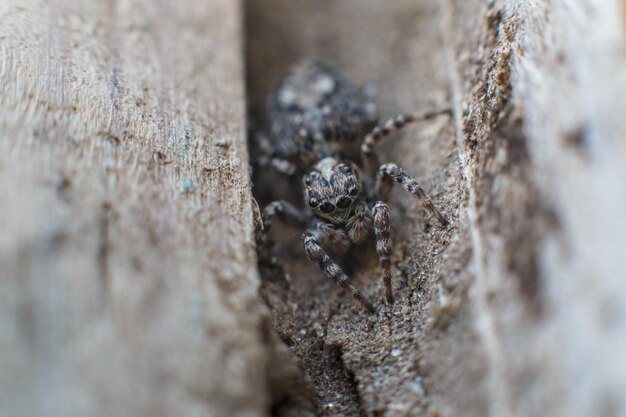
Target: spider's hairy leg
<point>368,149</point>
<point>267,158</point>
<point>317,254</point>
<point>282,166</point>
<point>395,173</point>
<point>384,245</point>
<point>286,212</point>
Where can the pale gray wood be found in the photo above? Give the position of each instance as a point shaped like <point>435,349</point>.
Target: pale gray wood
<point>128,283</point>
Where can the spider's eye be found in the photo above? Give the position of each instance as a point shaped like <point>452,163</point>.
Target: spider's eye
<point>313,203</point>
<point>353,191</point>
<point>308,180</point>
<point>327,207</point>
<point>344,202</point>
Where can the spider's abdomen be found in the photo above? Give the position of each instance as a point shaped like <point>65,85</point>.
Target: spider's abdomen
<point>316,112</point>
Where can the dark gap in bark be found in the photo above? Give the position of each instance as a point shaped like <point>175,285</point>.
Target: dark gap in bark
<point>342,349</point>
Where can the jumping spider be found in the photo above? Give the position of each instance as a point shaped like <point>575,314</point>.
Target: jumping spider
<point>318,120</point>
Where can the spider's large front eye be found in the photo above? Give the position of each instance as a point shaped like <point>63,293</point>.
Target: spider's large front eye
<point>353,191</point>
<point>344,202</point>
<point>327,207</point>
<point>313,203</point>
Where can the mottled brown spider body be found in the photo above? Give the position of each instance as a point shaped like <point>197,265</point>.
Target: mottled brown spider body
<point>319,121</point>
<point>316,112</point>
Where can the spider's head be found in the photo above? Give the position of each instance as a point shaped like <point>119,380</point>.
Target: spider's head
<point>332,188</point>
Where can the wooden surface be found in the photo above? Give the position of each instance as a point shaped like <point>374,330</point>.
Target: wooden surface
<point>127,267</point>
<point>128,281</point>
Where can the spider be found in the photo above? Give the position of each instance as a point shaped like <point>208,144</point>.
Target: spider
<point>319,121</point>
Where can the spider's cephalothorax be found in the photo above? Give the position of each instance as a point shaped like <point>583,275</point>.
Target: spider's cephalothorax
<point>318,119</point>
<point>333,189</point>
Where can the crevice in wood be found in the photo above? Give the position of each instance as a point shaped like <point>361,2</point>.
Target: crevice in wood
<point>104,246</point>
<point>308,311</point>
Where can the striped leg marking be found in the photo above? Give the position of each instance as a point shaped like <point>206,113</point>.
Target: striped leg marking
<point>282,166</point>
<point>370,159</point>
<point>316,254</point>
<point>285,211</point>
<point>400,176</point>
<point>384,245</point>
<point>268,159</point>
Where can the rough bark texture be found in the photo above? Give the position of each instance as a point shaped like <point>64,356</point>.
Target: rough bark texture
<point>518,309</point>
<point>127,271</point>
<point>127,267</point>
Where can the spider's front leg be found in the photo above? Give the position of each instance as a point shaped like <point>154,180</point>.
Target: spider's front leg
<point>267,158</point>
<point>368,149</point>
<point>286,212</point>
<point>384,246</point>
<point>317,254</point>
<point>282,166</point>
<point>392,172</point>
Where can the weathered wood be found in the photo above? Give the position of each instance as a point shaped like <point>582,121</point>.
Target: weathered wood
<point>519,308</point>
<point>127,278</point>
<point>544,118</point>
<point>128,281</point>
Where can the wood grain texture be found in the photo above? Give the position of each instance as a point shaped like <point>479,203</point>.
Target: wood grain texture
<point>558,314</point>
<point>127,270</point>
<point>128,283</point>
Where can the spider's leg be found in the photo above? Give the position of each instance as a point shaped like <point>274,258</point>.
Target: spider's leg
<point>368,151</point>
<point>286,212</point>
<point>384,246</point>
<point>390,172</point>
<point>282,166</point>
<point>317,254</point>
<point>267,158</point>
